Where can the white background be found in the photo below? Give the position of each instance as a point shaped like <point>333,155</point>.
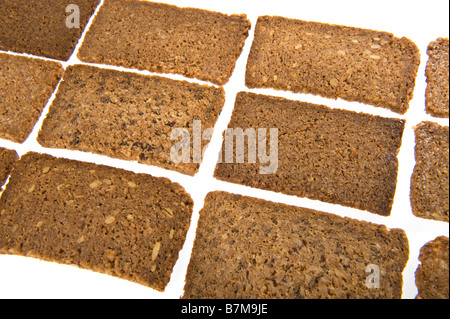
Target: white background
<point>421,21</point>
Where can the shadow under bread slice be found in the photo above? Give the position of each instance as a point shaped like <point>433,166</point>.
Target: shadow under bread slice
<point>26,86</point>
<point>166,39</point>
<point>248,248</point>
<point>333,61</point>
<point>430,182</point>
<point>313,151</point>
<point>129,116</point>
<point>104,219</point>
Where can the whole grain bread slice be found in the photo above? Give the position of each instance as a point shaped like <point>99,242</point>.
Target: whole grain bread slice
<point>430,181</point>
<point>332,155</point>
<point>26,86</point>
<point>48,28</point>
<point>437,72</point>
<point>166,39</point>
<point>432,274</point>
<point>100,218</point>
<point>130,116</point>
<point>333,61</point>
<point>248,248</point>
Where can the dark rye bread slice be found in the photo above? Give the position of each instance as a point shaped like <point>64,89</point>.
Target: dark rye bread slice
<point>26,86</point>
<point>104,219</point>
<point>166,39</point>
<point>429,182</point>
<point>39,27</point>
<point>128,116</point>
<point>7,159</point>
<point>333,61</point>
<point>332,155</point>
<point>432,275</point>
<point>248,248</point>
<point>437,73</point>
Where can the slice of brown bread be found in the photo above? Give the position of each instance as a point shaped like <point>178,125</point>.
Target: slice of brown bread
<point>437,73</point>
<point>333,61</point>
<point>7,159</point>
<point>104,219</point>
<point>26,86</point>
<point>39,26</point>
<point>432,274</point>
<point>429,182</point>
<point>248,248</point>
<point>128,116</point>
<point>166,39</point>
<point>332,155</point>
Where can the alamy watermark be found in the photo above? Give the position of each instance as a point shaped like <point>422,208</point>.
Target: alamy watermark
<point>234,140</point>
<point>73,19</point>
<point>373,280</point>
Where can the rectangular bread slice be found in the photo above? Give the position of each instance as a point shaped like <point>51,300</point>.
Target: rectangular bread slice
<point>430,182</point>
<point>333,61</point>
<point>128,116</point>
<point>332,155</point>
<point>48,28</point>
<point>432,274</point>
<point>104,219</point>
<point>26,86</point>
<point>166,39</point>
<point>248,248</point>
<point>7,159</point>
<point>437,72</point>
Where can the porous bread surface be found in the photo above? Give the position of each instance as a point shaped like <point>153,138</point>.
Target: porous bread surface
<point>166,39</point>
<point>26,86</point>
<point>333,61</point>
<point>100,218</point>
<point>432,275</point>
<point>325,154</point>
<point>129,116</point>
<point>248,248</point>
<point>430,182</point>
<point>7,159</point>
<point>437,73</point>
<point>39,27</point>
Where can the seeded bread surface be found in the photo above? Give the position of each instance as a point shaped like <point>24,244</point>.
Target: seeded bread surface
<point>104,219</point>
<point>332,155</point>
<point>437,72</point>
<point>430,182</point>
<point>26,86</point>
<point>248,248</point>
<point>39,27</point>
<point>432,275</point>
<point>166,39</point>
<point>7,159</point>
<point>128,116</point>
<point>333,61</point>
